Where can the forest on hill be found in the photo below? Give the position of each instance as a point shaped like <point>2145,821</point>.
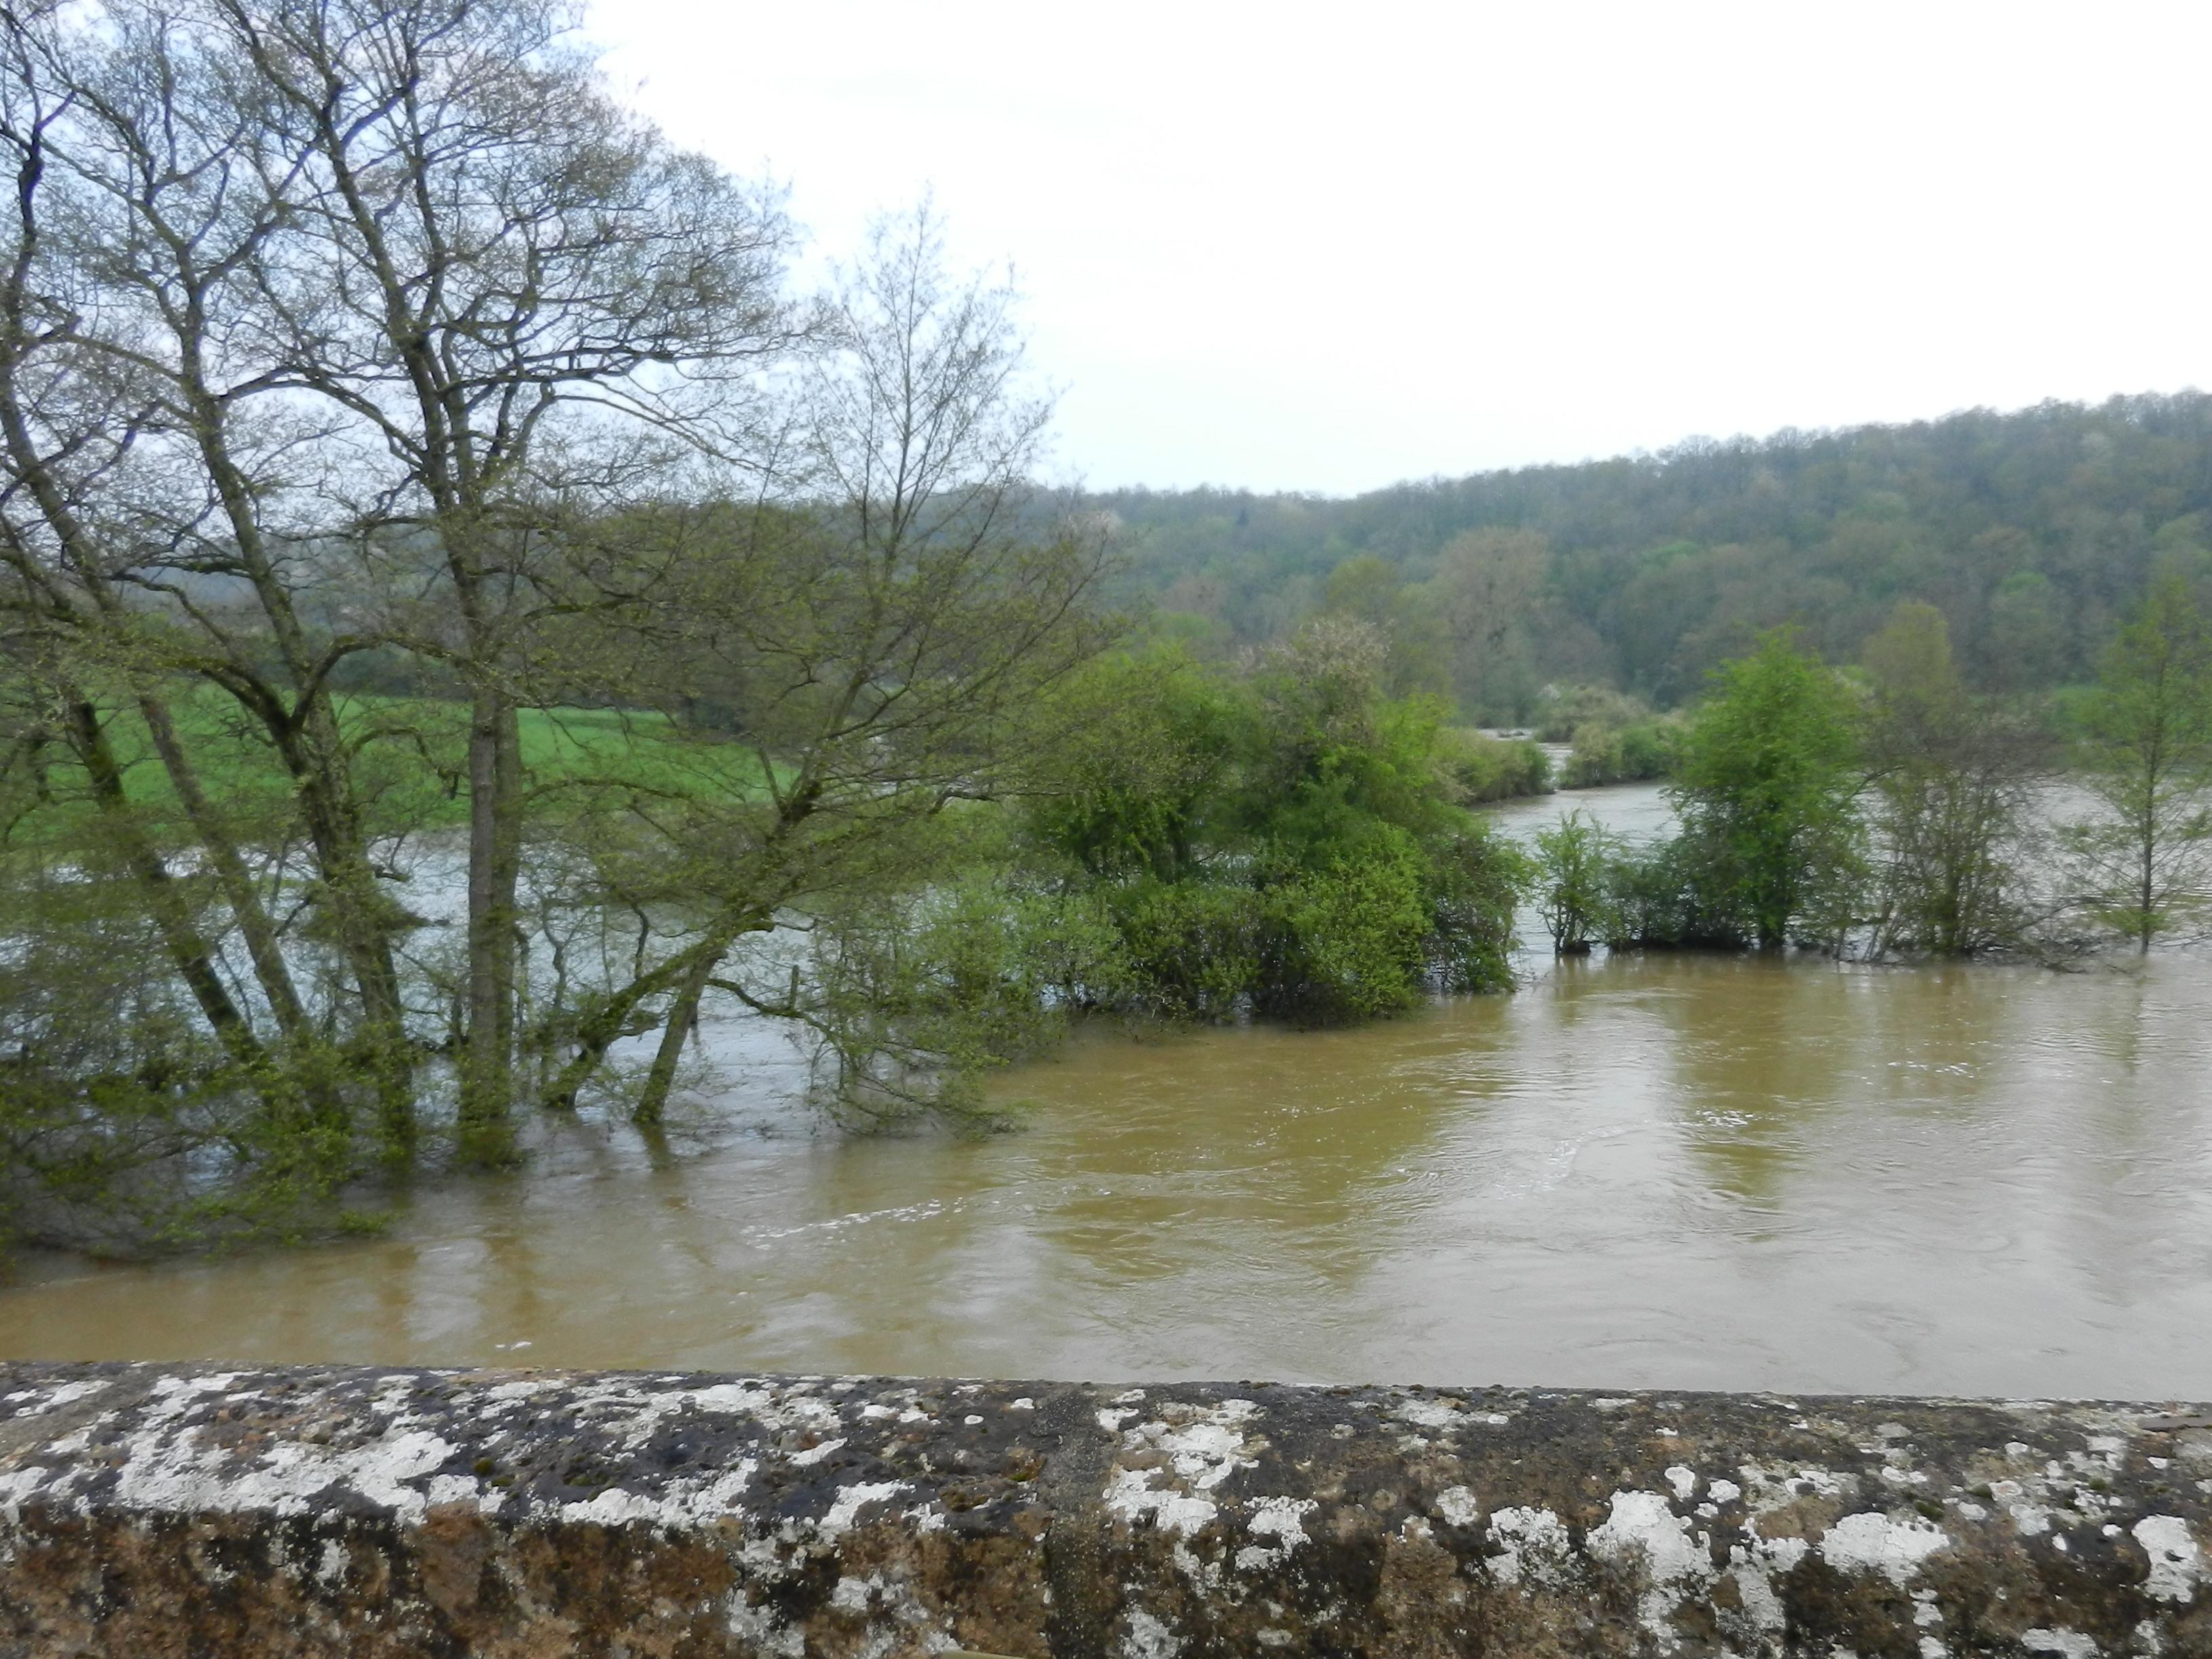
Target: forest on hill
<point>2033,531</point>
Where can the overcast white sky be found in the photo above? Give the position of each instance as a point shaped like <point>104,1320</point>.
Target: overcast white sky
<point>1324,248</point>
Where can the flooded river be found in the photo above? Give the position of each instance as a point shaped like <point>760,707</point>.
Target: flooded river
<point>1667,1171</point>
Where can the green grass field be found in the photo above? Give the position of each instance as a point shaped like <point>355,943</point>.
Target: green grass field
<point>409,772</point>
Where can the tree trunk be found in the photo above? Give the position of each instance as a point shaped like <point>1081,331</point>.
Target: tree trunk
<point>487,1131</point>
<point>683,1020</point>
<point>172,915</point>
<point>230,871</point>
<point>308,739</point>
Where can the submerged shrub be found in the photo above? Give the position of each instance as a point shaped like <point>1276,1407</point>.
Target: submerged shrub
<point>1481,769</point>
<point>1574,859</point>
<point>1191,948</point>
<point>1347,942</point>
<point>1476,882</point>
<point>1674,894</point>
<point>1631,754</point>
<point>912,1006</point>
<point>1577,709</point>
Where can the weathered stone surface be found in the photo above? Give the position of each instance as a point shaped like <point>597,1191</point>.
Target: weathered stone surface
<point>153,1511</point>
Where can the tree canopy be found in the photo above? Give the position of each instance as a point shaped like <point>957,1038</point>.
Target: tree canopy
<point>2033,532</point>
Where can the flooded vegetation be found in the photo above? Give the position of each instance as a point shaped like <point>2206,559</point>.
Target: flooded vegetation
<point>620,819</point>
<point>1664,1168</point>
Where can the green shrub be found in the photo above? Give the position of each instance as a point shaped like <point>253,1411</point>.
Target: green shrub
<point>1568,714</point>
<point>1675,894</point>
<point>1479,768</point>
<point>1573,860</point>
<point>1475,881</point>
<point>1630,754</point>
<point>1348,942</point>
<point>1191,949</point>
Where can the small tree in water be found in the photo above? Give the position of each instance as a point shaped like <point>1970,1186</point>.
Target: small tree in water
<point>2144,860</point>
<point>1575,863</point>
<point>1950,775</point>
<point>1766,792</point>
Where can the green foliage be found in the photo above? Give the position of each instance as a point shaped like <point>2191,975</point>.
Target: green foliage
<point>1568,712</point>
<point>1631,754</point>
<point>2144,860</point>
<point>1192,947</point>
<point>1672,895</point>
<point>1135,748</point>
<point>1348,941</point>
<point>109,1085</point>
<point>2034,532</point>
<point>1291,839</point>
<point>1416,649</point>
<point>1950,809</point>
<point>1476,879</point>
<point>1766,789</point>
<point>912,1006</point>
<point>1574,860</point>
<point>1482,769</point>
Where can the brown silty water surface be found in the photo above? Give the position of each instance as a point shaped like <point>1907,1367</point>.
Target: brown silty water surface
<point>1675,1171</point>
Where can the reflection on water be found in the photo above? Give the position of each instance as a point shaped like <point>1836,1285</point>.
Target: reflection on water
<point>1673,1171</point>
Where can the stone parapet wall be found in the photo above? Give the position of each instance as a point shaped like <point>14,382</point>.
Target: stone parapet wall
<point>155,1511</point>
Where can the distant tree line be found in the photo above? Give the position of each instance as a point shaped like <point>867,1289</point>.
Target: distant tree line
<point>2032,533</point>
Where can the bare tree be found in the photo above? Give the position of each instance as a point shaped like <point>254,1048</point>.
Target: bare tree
<point>403,281</point>
<point>336,336</point>
<point>881,623</point>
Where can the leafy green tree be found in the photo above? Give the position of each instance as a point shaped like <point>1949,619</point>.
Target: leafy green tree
<point>1370,590</point>
<point>1951,773</point>
<point>1574,858</point>
<point>2144,860</point>
<point>1350,940</point>
<point>2027,630</point>
<point>1132,761</point>
<point>1288,838</point>
<point>1766,789</point>
<point>1485,591</point>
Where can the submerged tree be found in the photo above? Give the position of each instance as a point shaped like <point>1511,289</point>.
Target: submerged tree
<point>370,304</point>
<point>1575,862</point>
<point>2144,860</point>
<point>880,629</point>
<point>1951,775</point>
<point>1767,787</point>
<point>345,347</point>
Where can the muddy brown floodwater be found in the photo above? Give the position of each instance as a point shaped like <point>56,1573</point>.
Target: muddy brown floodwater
<point>1673,1171</point>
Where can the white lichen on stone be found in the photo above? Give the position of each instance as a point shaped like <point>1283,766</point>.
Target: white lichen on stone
<point>1870,1542</point>
<point>1129,1494</point>
<point>1429,1413</point>
<point>845,1508</point>
<point>1529,1545</point>
<point>1459,1507</point>
<point>1149,1637</point>
<point>2176,1560</point>
<point>1279,1518</point>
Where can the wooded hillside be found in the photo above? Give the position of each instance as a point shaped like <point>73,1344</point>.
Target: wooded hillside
<point>2031,531</point>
